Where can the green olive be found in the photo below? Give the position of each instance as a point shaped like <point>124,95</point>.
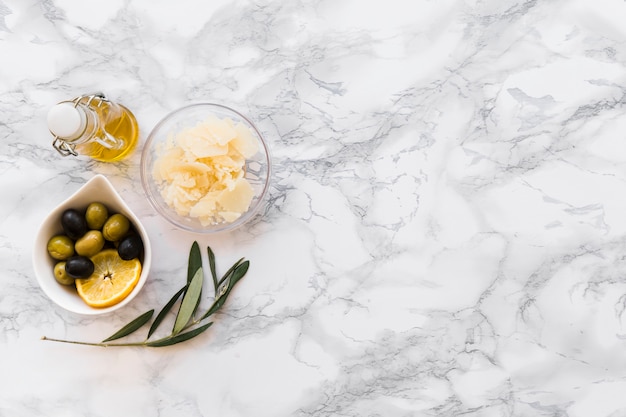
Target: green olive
<point>60,247</point>
<point>115,227</point>
<point>91,243</point>
<point>61,275</point>
<point>96,215</point>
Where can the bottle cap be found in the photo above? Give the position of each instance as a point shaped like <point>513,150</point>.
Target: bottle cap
<point>65,121</point>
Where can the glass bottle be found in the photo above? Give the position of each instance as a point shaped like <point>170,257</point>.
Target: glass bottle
<point>92,125</point>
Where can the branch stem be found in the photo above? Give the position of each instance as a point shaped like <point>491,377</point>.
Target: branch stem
<point>93,344</point>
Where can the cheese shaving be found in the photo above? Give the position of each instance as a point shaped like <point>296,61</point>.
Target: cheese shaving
<point>200,170</point>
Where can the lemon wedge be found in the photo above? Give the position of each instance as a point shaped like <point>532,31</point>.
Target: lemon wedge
<point>112,280</point>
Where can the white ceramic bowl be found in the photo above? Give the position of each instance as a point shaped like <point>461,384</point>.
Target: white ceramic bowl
<point>98,189</point>
<point>257,167</point>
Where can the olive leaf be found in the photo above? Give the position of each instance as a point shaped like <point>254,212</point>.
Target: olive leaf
<point>195,261</point>
<point>229,272</point>
<point>239,273</point>
<point>131,327</point>
<point>212,267</point>
<point>168,341</point>
<point>189,303</point>
<point>231,280</point>
<point>166,309</point>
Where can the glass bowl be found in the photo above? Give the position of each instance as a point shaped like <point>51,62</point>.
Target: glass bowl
<point>175,188</point>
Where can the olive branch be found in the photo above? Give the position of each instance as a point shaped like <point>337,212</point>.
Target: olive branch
<point>187,324</point>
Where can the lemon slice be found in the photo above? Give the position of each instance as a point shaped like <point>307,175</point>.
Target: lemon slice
<point>112,280</point>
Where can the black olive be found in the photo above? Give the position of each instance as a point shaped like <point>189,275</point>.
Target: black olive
<point>130,247</point>
<point>74,223</point>
<point>79,266</point>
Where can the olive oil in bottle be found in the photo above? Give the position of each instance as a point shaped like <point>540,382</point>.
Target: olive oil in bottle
<point>93,126</point>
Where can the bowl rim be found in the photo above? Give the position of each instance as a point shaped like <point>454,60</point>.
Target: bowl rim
<point>226,227</point>
<point>45,277</point>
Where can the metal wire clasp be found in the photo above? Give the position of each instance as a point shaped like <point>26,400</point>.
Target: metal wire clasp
<point>67,148</point>
<point>91,97</point>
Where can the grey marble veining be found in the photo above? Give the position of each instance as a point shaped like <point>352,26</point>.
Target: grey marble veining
<point>445,233</point>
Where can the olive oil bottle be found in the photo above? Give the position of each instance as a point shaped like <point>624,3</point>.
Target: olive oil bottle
<point>93,126</point>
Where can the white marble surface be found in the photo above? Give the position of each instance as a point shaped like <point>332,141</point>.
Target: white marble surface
<point>446,229</point>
